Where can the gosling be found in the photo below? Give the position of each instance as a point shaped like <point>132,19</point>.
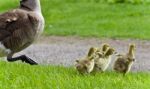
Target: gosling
<point>123,63</point>
<point>85,65</point>
<point>102,62</point>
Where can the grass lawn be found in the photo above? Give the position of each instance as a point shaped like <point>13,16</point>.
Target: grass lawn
<point>23,76</point>
<point>84,18</point>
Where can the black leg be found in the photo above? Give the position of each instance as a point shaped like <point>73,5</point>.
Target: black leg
<point>23,58</point>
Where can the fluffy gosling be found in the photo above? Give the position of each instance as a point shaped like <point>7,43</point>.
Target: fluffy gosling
<point>102,62</point>
<point>85,65</point>
<point>123,63</point>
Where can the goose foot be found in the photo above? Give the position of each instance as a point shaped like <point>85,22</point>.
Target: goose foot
<point>23,58</point>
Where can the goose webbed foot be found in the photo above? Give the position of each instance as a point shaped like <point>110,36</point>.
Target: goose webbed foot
<point>23,58</point>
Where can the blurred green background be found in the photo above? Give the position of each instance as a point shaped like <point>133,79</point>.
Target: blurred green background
<point>93,18</point>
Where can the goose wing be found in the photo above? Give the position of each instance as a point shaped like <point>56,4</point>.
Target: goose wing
<point>5,20</point>
<point>16,21</point>
<point>17,28</point>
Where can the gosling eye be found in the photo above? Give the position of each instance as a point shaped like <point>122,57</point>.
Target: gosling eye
<point>77,61</point>
<point>133,59</point>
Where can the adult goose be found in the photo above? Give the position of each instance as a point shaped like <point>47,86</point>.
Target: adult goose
<point>19,28</point>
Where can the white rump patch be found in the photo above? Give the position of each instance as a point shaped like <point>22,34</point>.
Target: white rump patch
<point>3,50</point>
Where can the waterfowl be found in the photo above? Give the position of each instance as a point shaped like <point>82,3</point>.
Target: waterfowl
<point>85,65</point>
<point>124,62</point>
<point>19,28</point>
<point>102,62</point>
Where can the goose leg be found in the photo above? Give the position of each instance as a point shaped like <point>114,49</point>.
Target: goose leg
<point>23,58</point>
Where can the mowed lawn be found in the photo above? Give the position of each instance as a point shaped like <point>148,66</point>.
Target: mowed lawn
<point>84,18</point>
<point>23,76</point>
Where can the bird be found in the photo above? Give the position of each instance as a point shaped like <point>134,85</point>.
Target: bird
<point>96,60</point>
<point>124,62</point>
<point>19,28</point>
<point>103,60</point>
<point>85,65</point>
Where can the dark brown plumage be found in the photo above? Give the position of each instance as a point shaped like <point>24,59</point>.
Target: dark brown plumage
<point>19,28</point>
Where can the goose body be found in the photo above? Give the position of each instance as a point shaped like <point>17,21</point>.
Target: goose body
<point>19,28</point>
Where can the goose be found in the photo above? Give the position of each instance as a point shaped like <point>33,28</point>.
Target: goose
<point>19,28</point>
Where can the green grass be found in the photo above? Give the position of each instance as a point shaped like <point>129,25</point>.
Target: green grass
<point>23,76</point>
<point>91,19</point>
